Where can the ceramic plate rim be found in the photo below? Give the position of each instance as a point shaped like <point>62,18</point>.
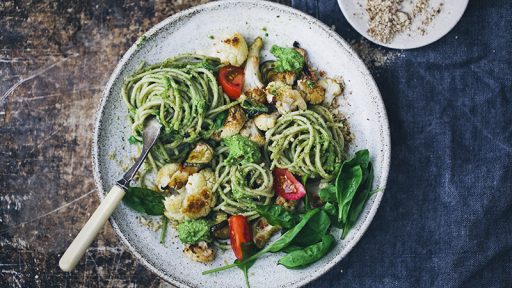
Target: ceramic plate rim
<point>379,106</point>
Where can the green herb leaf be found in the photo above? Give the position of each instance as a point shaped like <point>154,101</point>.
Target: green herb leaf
<point>281,243</point>
<point>248,250</point>
<point>304,257</point>
<point>253,109</point>
<point>328,193</point>
<point>144,200</point>
<point>220,119</point>
<point>288,59</point>
<point>277,215</point>
<point>348,180</point>
<point>359,201</point>
<point>194,231</point>
<point>314,230</point>
<point>332,211</point>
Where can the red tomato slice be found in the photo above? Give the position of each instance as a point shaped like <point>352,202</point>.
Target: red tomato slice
<point>231,79</point>
<point>239,233</point>
<point>287,186</point>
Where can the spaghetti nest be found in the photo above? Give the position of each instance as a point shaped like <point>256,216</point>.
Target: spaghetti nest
<point>306,142</point>
<point>243,186</point>
<point>183,94</point>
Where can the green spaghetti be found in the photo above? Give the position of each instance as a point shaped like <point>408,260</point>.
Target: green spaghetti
<point>237,145</point>
<point>183,93</point>
<point>306,143</point>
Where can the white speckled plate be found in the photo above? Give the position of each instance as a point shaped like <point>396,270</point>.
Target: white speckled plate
<point>451,12</point>
<point>189,31</point>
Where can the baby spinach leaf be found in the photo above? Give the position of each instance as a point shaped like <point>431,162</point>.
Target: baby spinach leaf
<point>348,180</point>
<point>144,200</point>
<point>248,249</point>
<point>332,211</point>
<point>219,119</point>
<point>252,108</point>
<point>359,201</point>
<point>314,230</point>
<point>328,193</point>
<point>304,257</point>
<point>281,243</point>
<point>277,215</point>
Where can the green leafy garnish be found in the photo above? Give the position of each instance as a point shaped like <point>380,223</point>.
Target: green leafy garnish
<point>252,108</point>
<point>194,231</point>
<point>277,215</point>
<point>144,200</point>
<point>300,258</point>
<point>220,119</point>
<point>314,229</point>
<point>328,193</point>
<point>248,249</point>
<point>288,59</point>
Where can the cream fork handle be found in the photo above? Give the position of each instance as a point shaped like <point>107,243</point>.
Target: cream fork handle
<point>84,239</point>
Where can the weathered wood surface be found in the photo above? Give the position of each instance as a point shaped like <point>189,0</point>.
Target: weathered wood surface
<point>55,57</point>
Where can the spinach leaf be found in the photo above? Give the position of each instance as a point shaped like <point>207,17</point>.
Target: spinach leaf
<point>332,211</point>
<point>309,255</point>
<point>277,215</point>
<point>348,180</point>
<point>314,230</point>
<point>144,200</point>
<point>252,108</point>
<point>328,193</point>
<point>281,243</point>
<point>219,119</point>
<point>359,201</point>
<point>248,249</point>
<point>291,248</point>
<point>307,202</point>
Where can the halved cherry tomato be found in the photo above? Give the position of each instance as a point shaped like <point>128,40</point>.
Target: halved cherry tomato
<point>239,233</point>
<point>287,186</point>
<point>231,79</point>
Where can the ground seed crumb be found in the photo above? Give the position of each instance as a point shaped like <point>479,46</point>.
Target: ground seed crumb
<point>387,18</point>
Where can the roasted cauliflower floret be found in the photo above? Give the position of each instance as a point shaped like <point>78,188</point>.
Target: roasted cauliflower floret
<point>201,154</point>
<point>265,122</point>
<point>231,49</point>
<point>172,176</point>
<point>286,99</point>
<point>234,122</point>
<point>332,89</point>
<point>257,95</point>
<point>287,77</point>
<point>199,198</point>
<point>262,232</point>
<point>315,94</point>
<point>193,201</point>
<point>251,131</point>
<point>199,252</point>
<point>172,206</point>
<point>252,78</point>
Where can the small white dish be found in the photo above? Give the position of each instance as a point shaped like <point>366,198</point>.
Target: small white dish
<point>451,12</point>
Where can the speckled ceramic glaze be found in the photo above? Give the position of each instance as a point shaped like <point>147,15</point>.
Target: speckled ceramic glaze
<point>189,31</point>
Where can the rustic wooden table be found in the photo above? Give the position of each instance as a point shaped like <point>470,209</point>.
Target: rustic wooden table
<point>55,58</point>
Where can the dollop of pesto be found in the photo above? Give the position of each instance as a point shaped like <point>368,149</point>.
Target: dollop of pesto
<point>288,59</point>
<point>194,231</point>
<point>241,150</point>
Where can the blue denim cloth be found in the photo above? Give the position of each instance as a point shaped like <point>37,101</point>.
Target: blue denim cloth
<point>446,216</point>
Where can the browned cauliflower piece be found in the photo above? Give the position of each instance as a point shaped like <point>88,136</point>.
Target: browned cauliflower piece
<point>200,252</point>
<point>234,122</point>
<point>315,94</point>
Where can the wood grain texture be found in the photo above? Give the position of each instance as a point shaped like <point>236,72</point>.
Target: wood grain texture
<point>55,58</point>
